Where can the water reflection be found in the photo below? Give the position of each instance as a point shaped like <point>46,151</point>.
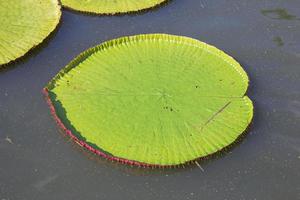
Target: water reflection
<point>279,13</point>
<point>278,41</point>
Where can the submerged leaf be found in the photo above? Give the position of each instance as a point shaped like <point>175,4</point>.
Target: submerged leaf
<point>25,24</point>
<point>154,100</point>
<point>110,6</point>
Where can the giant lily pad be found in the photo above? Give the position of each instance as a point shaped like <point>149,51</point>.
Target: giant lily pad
<point>155,100</point>
<point>110,6</point>
<point>25,24</point>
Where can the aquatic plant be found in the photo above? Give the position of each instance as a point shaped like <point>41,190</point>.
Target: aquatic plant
<point>109,6</point>
<point>152,100</point>
<point>25,24</point>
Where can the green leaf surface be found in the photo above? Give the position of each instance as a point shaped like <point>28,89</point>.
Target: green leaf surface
<point>110,6</point>
<point>25,24</point>
<point>156,99</point>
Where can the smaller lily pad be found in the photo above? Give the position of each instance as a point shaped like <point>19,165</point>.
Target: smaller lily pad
<point>110,6</point>
<point>152,100</point>
<point>24,24</point>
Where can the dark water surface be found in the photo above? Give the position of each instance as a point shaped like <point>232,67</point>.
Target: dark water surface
<point>38,162</point>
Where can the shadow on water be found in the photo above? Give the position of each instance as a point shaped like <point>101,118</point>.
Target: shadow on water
<point>278,13</point>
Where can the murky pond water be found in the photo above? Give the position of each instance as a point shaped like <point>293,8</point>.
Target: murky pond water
<point>37,161</point>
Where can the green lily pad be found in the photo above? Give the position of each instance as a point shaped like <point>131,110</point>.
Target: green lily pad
<point>110,6</point>
<point>154,100</point>
<point>25,24</point>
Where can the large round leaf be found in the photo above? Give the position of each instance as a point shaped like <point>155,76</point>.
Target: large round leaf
<point>25,24</point>
<point>110,6</point>
<point>152,99</point>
